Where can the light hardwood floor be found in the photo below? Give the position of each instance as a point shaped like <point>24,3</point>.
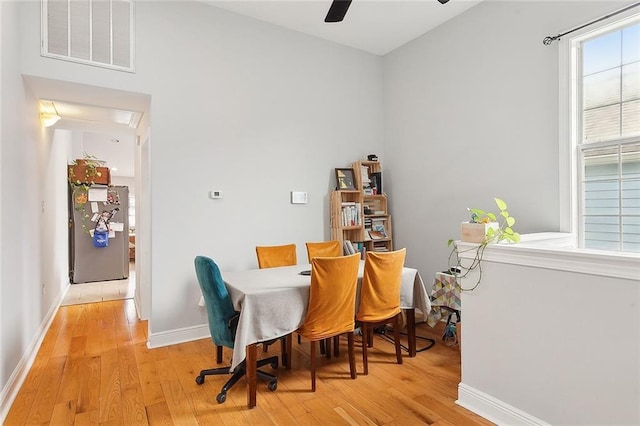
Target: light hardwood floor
<point>94,368</point>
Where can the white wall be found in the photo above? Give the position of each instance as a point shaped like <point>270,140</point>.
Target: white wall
<point>471,113</point>
<point>33,224</point>
<point>241,106</point>
<point>552,335</point>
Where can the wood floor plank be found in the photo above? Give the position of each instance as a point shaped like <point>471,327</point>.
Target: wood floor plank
<point>133,409</point>
<point>21,407</point>
<point>70,383</point>
<point>89,395</point>
<point>94,368</point>
<point>110,390</point>
<point>87,418</point>
<point>64,413</point>
<point>159,414</point>
<point>150,384</point>
<point>47,391</point>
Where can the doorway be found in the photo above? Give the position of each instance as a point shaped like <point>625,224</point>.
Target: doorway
<point>95,123</point>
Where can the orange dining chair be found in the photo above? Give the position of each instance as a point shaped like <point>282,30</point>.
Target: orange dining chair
<point>273,256</point>
<point>324,249</point>
<point>331,309</point>
<point>380,297</point>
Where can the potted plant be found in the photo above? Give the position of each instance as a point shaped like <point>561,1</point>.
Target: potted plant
<point>88,171</point>
<point>82,173</point>
<point>483,228</point>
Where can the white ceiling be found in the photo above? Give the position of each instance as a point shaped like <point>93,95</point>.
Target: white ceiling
<point>375,26</point>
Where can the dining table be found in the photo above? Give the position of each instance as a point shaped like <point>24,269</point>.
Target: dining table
<point>273,303</point>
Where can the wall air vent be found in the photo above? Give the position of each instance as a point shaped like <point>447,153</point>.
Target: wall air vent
<point>93,32</point>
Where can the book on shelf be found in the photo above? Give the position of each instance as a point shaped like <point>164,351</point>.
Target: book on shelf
<point>377,235</point>
<point>380,246</point>
<point>351,214</point>
<point>378,226</point>
<point>348,247</point>
<point>364,175</point>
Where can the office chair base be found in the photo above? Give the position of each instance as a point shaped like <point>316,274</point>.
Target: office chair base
<point>238,373</point>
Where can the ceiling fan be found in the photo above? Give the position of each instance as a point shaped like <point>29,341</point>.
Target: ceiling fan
<point>339,8</point>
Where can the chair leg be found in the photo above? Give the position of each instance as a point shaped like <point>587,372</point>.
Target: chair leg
<point>219,354</point>
<point>352,355</point>
<point>396,337</point>
<point>265,347</point>
<point>336,346</point>
<point>365,336</point>
<point>237,375</point>
<point>327,345</point>
<point>313,366</point>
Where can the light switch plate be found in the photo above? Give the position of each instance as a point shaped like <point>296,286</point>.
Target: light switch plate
<point>214,194</point>
<point>298,197</point>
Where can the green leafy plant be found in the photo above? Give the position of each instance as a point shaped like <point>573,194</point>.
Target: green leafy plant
<point>502,233</point>
<point>91,171</point>
<point>80,184</point>
<point>505,230</point>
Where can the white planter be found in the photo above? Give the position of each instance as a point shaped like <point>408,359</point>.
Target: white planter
<point>476,232</point>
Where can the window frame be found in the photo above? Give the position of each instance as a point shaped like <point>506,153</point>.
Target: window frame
<point>571,166</point>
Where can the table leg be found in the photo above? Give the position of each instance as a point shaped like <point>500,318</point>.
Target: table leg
<point>289,351</point>
<point>252,374</point>
<point>411,331</point>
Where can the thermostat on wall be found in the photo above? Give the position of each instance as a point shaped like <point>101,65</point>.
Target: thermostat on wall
<point>215,194</point>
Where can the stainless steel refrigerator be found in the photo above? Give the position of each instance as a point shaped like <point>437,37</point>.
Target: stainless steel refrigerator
<point>88,263</point>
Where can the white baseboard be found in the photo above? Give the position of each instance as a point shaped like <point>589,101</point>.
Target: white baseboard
<point>493,409</point>
<point>181,335</point>
<point>19,374</point>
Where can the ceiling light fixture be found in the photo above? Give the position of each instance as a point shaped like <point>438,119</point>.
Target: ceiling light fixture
<point>48,113</point>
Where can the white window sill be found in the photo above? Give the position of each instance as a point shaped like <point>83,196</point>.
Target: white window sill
<point>556,250</point>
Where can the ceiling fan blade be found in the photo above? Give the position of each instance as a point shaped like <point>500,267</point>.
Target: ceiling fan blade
<point>337,10</point>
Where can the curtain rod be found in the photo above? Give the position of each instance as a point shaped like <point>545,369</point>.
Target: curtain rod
<point>548,40</point>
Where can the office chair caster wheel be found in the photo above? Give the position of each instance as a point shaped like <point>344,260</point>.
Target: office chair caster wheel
<point>222,397</point>
<point>200,380</point>
<point>273,385</point>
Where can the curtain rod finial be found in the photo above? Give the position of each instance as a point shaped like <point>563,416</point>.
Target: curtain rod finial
<point>548,40</point>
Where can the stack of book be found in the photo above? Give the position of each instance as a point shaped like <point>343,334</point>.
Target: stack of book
<point>349,247</point>
<point>351,214</point>
<point>364,176</point>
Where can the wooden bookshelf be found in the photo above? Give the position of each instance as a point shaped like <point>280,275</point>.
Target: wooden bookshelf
<point>371,228</point>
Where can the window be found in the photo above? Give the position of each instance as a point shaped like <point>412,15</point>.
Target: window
<point>604,131</point>
<point>95,32</point>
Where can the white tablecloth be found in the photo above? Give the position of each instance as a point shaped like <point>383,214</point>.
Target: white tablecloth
<point>273,301</point>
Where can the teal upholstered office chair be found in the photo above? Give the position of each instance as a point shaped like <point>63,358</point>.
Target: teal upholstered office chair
<point>223,320</point>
